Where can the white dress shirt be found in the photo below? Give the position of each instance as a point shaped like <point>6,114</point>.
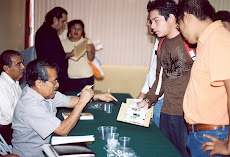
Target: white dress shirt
<point>151,76</point>
<point>10,92</point>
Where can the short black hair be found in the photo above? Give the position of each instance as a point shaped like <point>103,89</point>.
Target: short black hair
<point>73,22</point>
<point>164,7</point>
<point>5,58</point>
<point>36,70</point>
<point>202,9</point>
<point>222,15</point>
<point>55,12</point>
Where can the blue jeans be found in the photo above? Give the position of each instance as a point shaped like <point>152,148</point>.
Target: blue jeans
<point>157,112</point>
<point>196,139</point>
<point>175,129</point>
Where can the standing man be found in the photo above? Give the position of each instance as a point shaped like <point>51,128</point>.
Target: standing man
<point>12,69</point>
<point>35,118</point>
<point>174,64</point>
<point>151,77</point>
<point>207,99</point>
<point>48,45</point>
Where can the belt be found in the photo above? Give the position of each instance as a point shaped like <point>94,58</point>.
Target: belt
<point>204,127</point>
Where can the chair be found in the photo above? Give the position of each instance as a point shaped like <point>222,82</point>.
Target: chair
<point>4,147</point>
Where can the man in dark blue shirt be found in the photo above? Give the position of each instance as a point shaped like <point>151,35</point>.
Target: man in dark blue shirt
<point>48,45</point>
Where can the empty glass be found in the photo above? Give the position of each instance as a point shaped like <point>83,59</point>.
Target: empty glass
<point>102,132</point>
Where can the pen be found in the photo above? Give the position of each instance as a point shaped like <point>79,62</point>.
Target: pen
<point>78,94</point>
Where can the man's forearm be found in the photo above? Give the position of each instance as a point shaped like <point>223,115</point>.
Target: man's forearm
<point>68,124</point>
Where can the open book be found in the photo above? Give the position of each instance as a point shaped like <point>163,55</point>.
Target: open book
<point>84,116</point>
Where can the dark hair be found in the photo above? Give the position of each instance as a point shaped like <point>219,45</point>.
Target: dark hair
<point>223,15</point>
<point>73,22</point>
<point>164,7</point>
<point>202,9</point>
<point>55,12</point>
<point>5,58</point>
<point>36,70</point>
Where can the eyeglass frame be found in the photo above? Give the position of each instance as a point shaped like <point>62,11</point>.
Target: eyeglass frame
<point>54,82</point>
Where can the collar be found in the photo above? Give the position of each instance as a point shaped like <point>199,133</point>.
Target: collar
<point>211,28</point>
<point>174,38</point>
<point>34,93</point>
<point>8,78</point>
<point>49,26</point>
<point>79,41</point>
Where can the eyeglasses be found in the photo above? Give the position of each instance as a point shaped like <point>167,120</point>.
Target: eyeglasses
<point>54,82</point>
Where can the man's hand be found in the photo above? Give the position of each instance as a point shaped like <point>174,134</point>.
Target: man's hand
<point>86,94</point>
<point>142,104</point>
<point>104,97</point>
<point>216,146</point>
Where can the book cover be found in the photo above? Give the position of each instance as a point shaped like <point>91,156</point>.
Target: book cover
<point>84,116</point>
<point>128,113</point>
<point>80,50</point>
<point>73,150</point>
<point>68,150</point>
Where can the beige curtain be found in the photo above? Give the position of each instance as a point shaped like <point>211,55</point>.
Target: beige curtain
<point>220,4</point>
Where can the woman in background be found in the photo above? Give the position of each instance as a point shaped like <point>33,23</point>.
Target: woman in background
<point>80,72</point>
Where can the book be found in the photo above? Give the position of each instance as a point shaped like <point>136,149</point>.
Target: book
<point>68,150</point>
<point>128,113</point>
<point>83,116</point>
<point>88,139</point>
<point>80,49</point>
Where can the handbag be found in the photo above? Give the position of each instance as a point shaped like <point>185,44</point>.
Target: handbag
<point>96,67</point>
<point>96,64</point>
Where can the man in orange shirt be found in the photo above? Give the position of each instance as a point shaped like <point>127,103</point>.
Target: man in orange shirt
<point>206,102</point>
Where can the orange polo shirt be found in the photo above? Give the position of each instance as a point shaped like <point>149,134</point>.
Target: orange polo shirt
<point>205,99</point>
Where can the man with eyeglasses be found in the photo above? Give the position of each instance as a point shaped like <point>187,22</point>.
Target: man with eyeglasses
<point>35,118</point>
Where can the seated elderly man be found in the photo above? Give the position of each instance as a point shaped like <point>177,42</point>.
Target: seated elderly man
<point>34,118</point>
<point>12,69</point>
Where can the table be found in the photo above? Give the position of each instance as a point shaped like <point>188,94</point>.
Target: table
<point>146,142</point>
